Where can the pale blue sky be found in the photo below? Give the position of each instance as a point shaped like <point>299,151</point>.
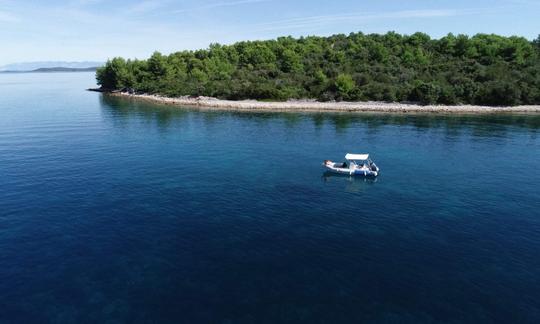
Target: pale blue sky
<point>99,29</point>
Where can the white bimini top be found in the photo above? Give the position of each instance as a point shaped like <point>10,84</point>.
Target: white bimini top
<point>351,156</point>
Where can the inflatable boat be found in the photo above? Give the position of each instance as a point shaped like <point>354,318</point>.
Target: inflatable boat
<point>355,164</point>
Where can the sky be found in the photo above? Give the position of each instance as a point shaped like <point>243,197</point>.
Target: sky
<point>95,30</point>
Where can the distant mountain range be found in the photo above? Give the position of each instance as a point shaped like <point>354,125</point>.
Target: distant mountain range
<point>55,69</point>
<point>51,66</point>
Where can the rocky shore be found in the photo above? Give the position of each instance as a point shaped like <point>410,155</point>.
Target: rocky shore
<point>312,105</point>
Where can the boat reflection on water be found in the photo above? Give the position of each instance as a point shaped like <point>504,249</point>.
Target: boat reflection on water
<point>353,184</point>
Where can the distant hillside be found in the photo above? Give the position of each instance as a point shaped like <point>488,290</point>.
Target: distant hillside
<point>33,66</point>
<point>482,69</point>
<point>65,69</point>
<point>55,69</point>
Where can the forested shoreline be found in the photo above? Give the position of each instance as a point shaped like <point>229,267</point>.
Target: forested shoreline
<point>480,70</point>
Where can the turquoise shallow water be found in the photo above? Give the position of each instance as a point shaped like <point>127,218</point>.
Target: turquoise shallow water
<point>122,211</point>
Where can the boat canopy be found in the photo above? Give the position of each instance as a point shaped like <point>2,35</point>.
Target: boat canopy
<point>351,156</point>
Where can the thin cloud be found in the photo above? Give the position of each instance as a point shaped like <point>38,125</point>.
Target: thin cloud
<point>221,4</point>
<point>324,20</point>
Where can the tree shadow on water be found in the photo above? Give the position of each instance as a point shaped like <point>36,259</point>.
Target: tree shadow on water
<point>121,110</point>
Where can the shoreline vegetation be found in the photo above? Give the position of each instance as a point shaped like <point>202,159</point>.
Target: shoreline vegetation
<point>343,71</point>
<point>316,106</point>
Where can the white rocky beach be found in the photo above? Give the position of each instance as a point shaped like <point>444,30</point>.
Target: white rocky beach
<point>311,105</point>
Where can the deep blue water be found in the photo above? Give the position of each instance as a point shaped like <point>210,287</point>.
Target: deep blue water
<point>120,211</point>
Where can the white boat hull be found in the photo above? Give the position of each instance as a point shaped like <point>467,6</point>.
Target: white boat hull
<point>353,172</point>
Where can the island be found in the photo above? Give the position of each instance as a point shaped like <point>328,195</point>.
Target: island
<point>388,72</point>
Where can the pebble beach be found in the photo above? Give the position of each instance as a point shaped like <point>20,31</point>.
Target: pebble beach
<point>312,105</point>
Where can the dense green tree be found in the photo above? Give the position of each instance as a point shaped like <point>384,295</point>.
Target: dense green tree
<point>344,85</point>
<point>482,69</point>
<point>290,61</point>
<point>536,43</point>
<point>115,74</point>
<point>428,93</point>
<point>499,93</point>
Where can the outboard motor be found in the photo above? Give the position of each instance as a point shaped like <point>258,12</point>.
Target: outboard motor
<point>374,167</point>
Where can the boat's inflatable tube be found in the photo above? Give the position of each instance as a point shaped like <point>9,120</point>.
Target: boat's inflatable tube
<point>335,168</point>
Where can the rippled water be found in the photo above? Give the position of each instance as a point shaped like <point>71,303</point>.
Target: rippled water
<point>124,211</point>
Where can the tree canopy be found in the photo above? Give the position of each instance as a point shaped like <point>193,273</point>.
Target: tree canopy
<point>482,69</point>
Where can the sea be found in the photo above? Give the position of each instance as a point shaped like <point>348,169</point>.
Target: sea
<point>114,210</point>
